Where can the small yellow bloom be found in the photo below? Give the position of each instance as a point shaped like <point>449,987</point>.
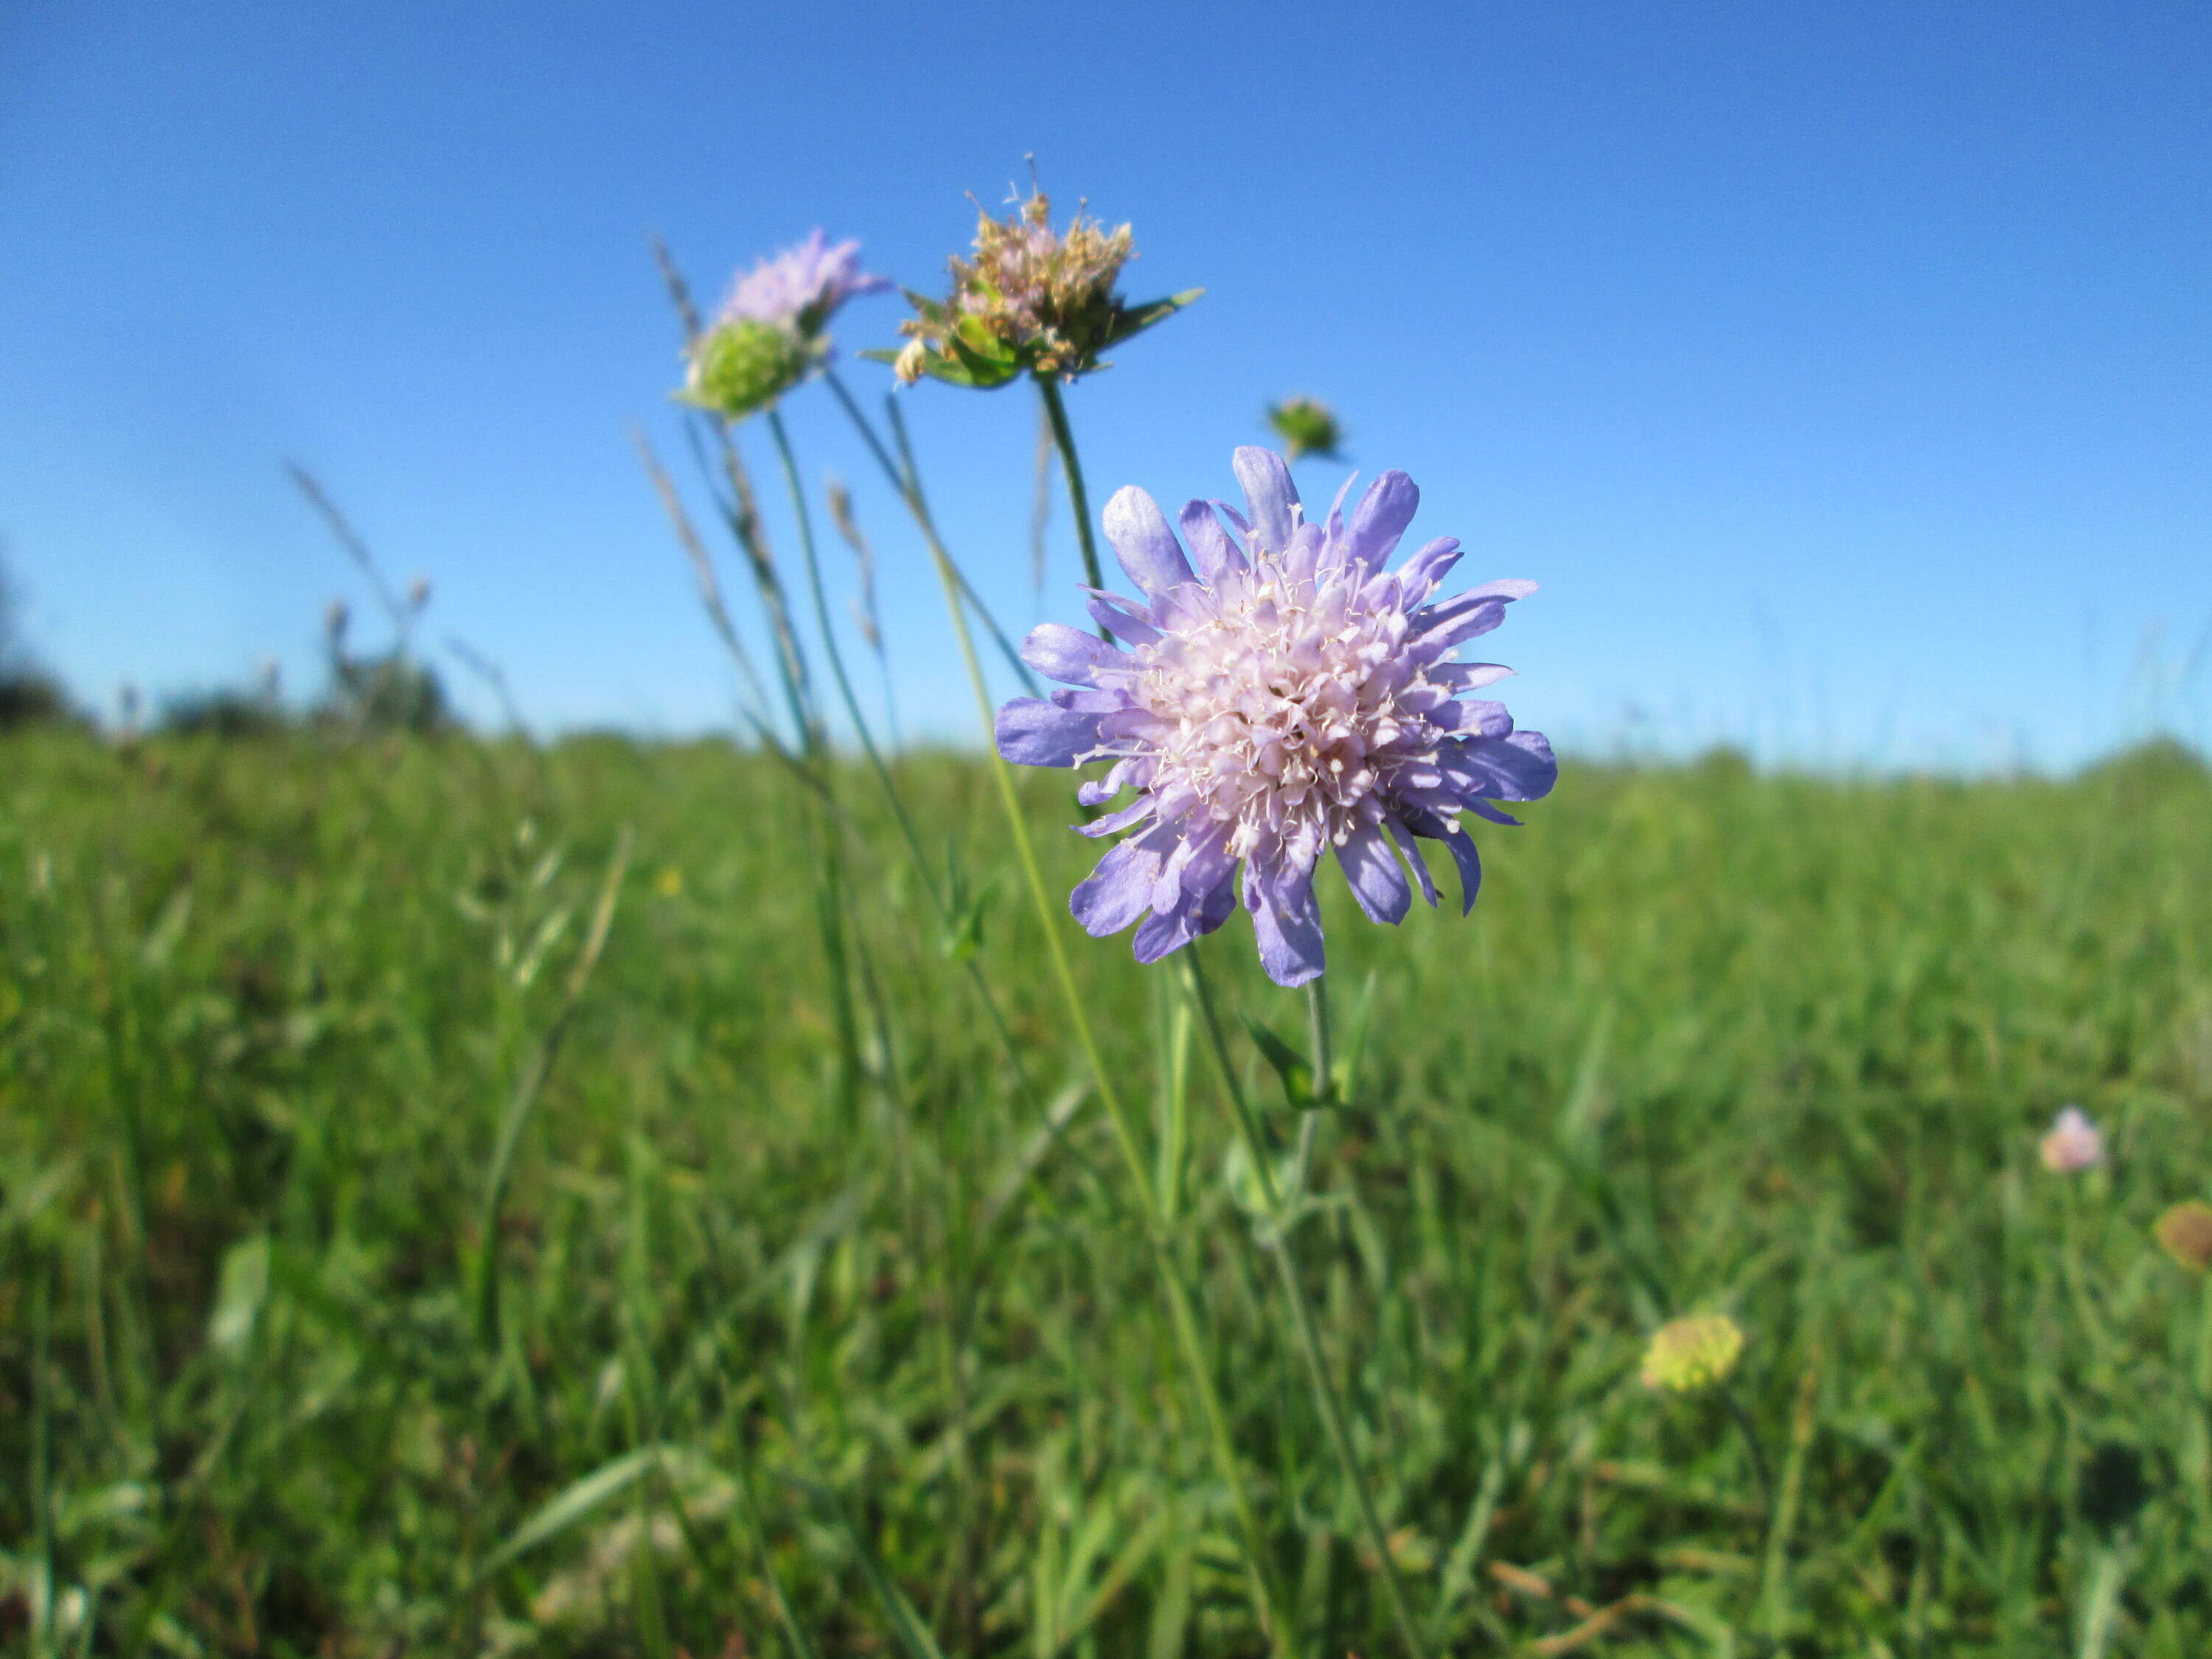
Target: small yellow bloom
<point>668,881</point>
<point>2184,1232</point>
<point>1693,1352</point>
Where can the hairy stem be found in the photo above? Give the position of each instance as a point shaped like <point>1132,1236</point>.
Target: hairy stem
<point>908,487</point>
<point>1055,410</point>
<point>1328,1397</point>
<point>1181,1313</point>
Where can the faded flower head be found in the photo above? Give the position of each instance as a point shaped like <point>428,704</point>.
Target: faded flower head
<point>1031,300</point>
<point>1692,1352</point>
<point>1286,698</point>
<point>770,334</point>
<point>2073,1144</point>
<point>1307,426</point>
<point>2184,1232</point>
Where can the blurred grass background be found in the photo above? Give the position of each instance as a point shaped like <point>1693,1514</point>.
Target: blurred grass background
<point>748,1364</point>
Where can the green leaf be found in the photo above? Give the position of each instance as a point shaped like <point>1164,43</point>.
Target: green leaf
<point>974,334</point>
<point>931,310</point>
<point>1292,1067</point>
<point>572,1504</point>
<point>1135,319</point>
<point>963,933</point>
<point>240,1289</point>
<point>1352,1047</point>
<point>982,372</point>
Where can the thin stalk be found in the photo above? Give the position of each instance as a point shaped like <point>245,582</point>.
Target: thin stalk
<point>2203,1380</point>
<point>1327,1395</point>
<point>829,910</point>
<point>908,487</point>
<point>1323,1048</point>
<point>892,798</point>
<point>1741,1419</point>
<point>1049,915</point>
<point>1774,1590</point>
<point>532,1081</point>
<point>742,515</point>
<point>41,1471</point>
<point>1055,411</point>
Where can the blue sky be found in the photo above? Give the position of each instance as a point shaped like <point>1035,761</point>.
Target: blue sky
<point>1843,371</point>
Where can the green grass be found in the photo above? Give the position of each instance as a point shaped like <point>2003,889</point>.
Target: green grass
<point>756,1360</point>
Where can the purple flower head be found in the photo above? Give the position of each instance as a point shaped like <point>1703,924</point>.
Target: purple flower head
<point>1286,697</point>
<point>800,287</point>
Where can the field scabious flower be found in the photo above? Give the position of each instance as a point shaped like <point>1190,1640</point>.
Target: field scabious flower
<point>1286,698</point>
<point>770,333</point>
<point>1032,300</point>
<point>2073,1144</point>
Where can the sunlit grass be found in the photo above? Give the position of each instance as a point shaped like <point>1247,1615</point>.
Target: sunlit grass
<point>1779,1048</point>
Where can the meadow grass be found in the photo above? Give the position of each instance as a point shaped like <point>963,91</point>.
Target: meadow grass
<point>738,1359</point>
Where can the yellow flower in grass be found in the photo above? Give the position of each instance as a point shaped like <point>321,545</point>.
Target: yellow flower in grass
<point>2184,1232</point>
<point>1692,1352</point>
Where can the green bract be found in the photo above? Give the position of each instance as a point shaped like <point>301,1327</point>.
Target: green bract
<point>740,367</point>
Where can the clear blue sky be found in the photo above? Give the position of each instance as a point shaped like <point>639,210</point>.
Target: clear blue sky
<point>1843,371</point>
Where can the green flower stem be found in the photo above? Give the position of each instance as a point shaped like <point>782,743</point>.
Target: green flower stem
<point>910,492</point>
<point>1324,1049</point>
<point>1050,917</point>
<point>961,1289</point>
<point>791,665</point>
<point>2203,1380</point>
<point>1327,1395</point>
<point>939,904</point>
<point>745,527</point>
<point>1055,410</point>
<point>1745,1427</point>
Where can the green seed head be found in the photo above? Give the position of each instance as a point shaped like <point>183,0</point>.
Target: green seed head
<point>740,367</point>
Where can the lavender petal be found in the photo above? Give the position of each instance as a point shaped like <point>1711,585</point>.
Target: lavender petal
<point>1143,542</point>
<point>1031,732</point>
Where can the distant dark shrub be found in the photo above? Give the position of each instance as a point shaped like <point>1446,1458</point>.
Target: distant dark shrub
<point>224,712</point>
<point>30,697</point>
<point>387,693</point>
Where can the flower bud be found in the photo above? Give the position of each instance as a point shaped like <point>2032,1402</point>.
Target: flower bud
<point>1307,426</point>
<point>1692,1352</point>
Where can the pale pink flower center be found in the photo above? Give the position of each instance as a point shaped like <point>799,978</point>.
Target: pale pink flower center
<point>1287,708</point>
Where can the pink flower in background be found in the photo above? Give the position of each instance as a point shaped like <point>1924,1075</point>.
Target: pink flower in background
<point>2073,1144</point>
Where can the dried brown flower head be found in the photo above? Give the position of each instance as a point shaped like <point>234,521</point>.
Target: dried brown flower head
<point>1030,300</point>
<point>2184,1232</point>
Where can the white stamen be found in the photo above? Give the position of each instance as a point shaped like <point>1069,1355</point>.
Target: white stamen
<point>1288,706</point>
